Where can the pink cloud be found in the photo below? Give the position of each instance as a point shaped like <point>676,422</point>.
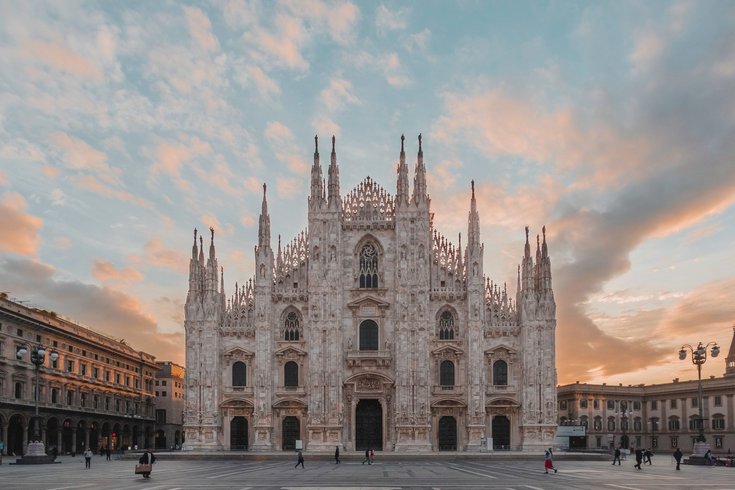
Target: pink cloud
<point>106,272</point>
<point>64,59</point>
<point>157,254</point>
<point>78,155</point>
<point>284,46</point>
<point>282,141</point>
<point>265,85</point>
<point>91,183</point>
<point>338,94</point>
<point>200,28</point>
<point>3,178</point>
<point>287,188</point>
<point>21,230</point>
<point>170,158</point>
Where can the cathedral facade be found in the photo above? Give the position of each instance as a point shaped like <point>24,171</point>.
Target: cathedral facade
<point>370,330</point>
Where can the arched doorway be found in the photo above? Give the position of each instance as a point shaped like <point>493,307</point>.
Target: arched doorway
<point>447,435</point>
<point>52,431</point>
<point>105,439</point>
<point>177,438</point>
<point>79,449</point>
<point>67,430</point>
<point>94,437</point>
<point>160,439</point>
<point>136,435</point>
<point>238,434</point>
<point>115,437</point>
<point>290,431</point>
<point>15,436</point>
<point>369,425</point>
<point>501,432</point>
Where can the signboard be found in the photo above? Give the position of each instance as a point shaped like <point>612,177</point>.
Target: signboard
<point>570,431</point>
<point>299,444</point>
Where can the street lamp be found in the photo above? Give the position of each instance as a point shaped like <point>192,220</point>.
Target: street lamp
<point>699,357</point>
<point>38,357</point>
<point>624,423</point>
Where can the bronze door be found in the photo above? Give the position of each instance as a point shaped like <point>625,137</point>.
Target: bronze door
<point>447,434</point>
<point>369,425</point>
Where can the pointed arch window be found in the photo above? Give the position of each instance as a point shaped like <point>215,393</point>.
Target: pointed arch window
<point>369,335</point>
<point>239,374</point>
<point>500,373</point>
<point>368,267</point>
<point>446,373</point>
<point>292,327</point>
<point>446,326</point>
<point>291,374</point>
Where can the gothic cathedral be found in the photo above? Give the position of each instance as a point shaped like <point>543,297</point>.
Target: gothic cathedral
<point>370,330</point>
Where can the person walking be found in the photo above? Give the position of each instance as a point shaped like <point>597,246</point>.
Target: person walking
<point>638,458</point>
<point>616,456</point>
<point>300,461</point>
<point>108,452</point>
<point>677,457</point>
<point>647,456</point>
<point>708,457</point>
<point>147,458</point>
<point>549,461</point>
<point>88,459</point>
<point>367,457</point>
<point>336,455</point>
<point>372,455</point>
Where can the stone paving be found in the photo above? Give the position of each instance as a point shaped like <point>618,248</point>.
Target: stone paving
<point>267,473</point>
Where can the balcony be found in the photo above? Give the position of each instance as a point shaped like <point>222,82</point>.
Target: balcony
<point>369,358</point>
<point>291,391</point>
<point>500,389</point>
<point>447,390</point>
<point>239,390</point>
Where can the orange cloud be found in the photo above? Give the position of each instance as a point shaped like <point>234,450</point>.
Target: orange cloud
<point>157,254</point>
<point>106,272</point>
<point>284,46</point>
<point>91,183</point>
<point>3,178</point>
<point>64,59</point>
<point>20,230</point>
<point>281,140</point>
<point>200,28</point>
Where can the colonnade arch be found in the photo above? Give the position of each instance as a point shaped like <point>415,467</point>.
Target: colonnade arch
<point>69,434</point>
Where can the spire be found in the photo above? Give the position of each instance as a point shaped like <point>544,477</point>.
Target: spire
<point>333,186</point>
<point>264,224</point>
<point>402,187</point>
<point>419,180</point>
<point>544,247</point>
<point>730,359</point>
<point>194,247</point>
<point>473,223</point>
<point>317,181</point>
<point>201,251</point>
<point>212,253</point>
<point>527,271</point>
<point>194,266</point>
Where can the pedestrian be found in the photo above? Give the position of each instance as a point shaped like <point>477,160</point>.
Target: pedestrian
<point>88,458</point>
<point>108,452</point>
<point>336,455</point>
<point>548,461</point>
<point>367,457</point>
<point>708,457</point>
<point>300,461</point>
<point>677,457</point>
<point>638,458</point>
<point>616,456</point>
<point>147,458</point>
<point>647,456</point>
<point>372,455</point>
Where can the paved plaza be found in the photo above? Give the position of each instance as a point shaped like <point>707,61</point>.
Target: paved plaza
<point>418,473</point>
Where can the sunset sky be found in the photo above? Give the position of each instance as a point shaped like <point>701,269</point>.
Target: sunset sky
<point>124,125</point>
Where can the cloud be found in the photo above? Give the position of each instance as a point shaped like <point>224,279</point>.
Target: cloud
<point>255,76</point>
<point>102,308</point>
<point>418,41</point>
<point>171,156</point>
<point>387,20</point>
<point>287,188</point>
<point>3,178</point>
<point>92,184</point>
<point>338,94</point>
<point>20,230</point>
<point>106,272</point>
<point>157,254</point>
<point>78,155</point>
<point>281,139</point>
<point>338,20</point>
<point>62,58</point>
<point>200,28</point>
<point>389,64</point>
<point>283,48</point>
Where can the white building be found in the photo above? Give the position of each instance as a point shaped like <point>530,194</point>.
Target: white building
<point>370,329</point>
<point>660,416</point>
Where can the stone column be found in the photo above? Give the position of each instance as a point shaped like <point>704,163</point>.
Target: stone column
<point>25,438</point>
<point>4,436</point>
<point>73,441</point>
<point>58,440</point>
<point>87,430</point>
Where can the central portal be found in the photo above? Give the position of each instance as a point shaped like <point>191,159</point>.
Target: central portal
<point>291,431</point>
<point>369,425</point>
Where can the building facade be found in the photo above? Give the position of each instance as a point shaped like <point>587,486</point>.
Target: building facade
<point>169,405</point>
<point>660,416</point>
<point>370,329</point>
<point>97,393</point>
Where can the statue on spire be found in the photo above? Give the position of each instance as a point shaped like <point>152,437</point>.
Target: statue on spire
<point>333,139</point>
<point>212,230</point>
<point>420,150</point>
<point>316,143</point>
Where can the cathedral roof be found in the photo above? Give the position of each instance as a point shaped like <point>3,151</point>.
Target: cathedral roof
<point>368,203</point>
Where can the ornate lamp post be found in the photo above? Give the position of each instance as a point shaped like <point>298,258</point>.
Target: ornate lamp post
<point>35,452</point>
<point>624,423</point>
<point>699,357</point>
